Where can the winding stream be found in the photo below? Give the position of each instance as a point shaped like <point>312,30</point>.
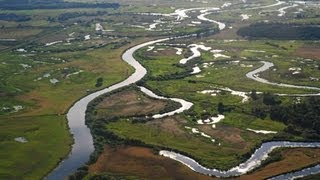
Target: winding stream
<point>185,105</point>
<point>267,65</point>
<point>261,153</point>
<point>253,162</point>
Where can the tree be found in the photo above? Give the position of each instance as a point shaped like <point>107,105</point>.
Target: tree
<point>253,94</point>
<point>260,113</point>
<point>270,99</point>
<point>99,82</point>
<point>221,108</point>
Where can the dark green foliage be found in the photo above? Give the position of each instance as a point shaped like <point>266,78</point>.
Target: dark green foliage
<point>52,4</point>
<point>14,17</point>
<point>78,175</point>
<point>269,99</point>
<point>69,15</point>
<point>254,95</point>
<point>259,112</point>
<point>281,31</point>
<point>221,108</point>
<point>302,117</point>
<point>276,45</point>
<point>99,82</point>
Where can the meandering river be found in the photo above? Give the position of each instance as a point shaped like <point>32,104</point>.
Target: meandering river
<point>83,141</point>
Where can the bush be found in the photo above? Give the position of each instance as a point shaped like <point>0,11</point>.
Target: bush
<point>99,82</point>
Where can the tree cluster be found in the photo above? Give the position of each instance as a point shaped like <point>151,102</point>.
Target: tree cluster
<point>14,17</point>
<point>302,118</point>
<point>281,31</point>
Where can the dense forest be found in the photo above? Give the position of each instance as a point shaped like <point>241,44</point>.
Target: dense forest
<point>281,31</point>
<point>14,17</point>
<point>52,4</point>
<point>301,117</point>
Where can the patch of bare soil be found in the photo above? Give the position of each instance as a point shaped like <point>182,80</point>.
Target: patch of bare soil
<point>129,103</point>
<point>228,134</point>
<point>171,125</point>
<point>143,163</point>
<point>311,52</point>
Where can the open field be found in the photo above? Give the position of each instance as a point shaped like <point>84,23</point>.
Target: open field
<point>43,98</point>
<point>308,51</point>
<point>39,155</point>
<point>139,162</point>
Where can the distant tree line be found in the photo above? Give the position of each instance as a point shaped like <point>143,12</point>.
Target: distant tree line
<point>52,4</point>
<point>70,15</point>
<point>281,31</point>
<point>14,17</point>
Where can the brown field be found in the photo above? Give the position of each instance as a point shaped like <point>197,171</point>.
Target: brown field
<point>232,137</point>
<point>129,103</point>
<point>171,125</point>
<point>228,134</point>
<point>293,159</point>
<point>308,52</point>
<point>141,162</point>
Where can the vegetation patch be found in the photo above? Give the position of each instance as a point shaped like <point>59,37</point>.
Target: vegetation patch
<point>281,31</point>
<point>14,17</point>
<point>39,155</point>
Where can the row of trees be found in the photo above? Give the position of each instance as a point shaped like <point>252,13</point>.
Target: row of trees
<point>14,17</point>
<point>70,15</point>
<point>281,31</point>
<point>52,4</point>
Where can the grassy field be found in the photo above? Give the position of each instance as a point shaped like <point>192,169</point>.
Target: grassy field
<point>39,101</point>
<point>208,153</point>
<point>38,156</point>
